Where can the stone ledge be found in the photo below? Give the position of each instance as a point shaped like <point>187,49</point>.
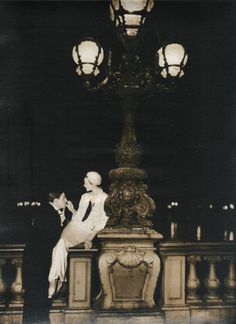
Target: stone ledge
<point>129,318</point>
<point>174,247</point>
<point>219,306</point>
<point>122,233</point>
<point>175,308</point>
<point>11,312</point>
<point>89,317</point>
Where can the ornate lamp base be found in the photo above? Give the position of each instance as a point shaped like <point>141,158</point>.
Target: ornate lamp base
<point>128,268</point>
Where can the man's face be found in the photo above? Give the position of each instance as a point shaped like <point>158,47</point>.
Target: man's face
<point>61,201</point>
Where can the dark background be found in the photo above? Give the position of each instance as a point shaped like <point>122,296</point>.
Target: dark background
<point>52,132</point>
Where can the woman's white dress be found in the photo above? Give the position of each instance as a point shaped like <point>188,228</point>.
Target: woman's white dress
<point>78,231</point>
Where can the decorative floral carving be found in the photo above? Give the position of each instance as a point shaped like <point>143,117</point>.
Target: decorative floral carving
<point>129,205</point>
<point>148,258</point>
<point>130,257</point>
<point>128,194</point>
<point>127,173</point>
<point>128,154</point>
<point>110,258</point>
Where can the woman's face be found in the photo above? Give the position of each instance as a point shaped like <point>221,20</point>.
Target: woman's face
<point>87,184</point>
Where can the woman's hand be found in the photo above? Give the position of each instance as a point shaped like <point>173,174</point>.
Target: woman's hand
<point>70,206</point>
<point>87,245</point>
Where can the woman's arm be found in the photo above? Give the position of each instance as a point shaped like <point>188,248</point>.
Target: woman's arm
<point>83,205</point>
<point>71,208</point>
<point>100,225</point>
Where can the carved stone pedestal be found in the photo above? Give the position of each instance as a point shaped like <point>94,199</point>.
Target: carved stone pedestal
<point>129,268</point>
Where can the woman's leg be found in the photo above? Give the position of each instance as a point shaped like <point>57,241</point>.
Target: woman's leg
<point>59,265</point>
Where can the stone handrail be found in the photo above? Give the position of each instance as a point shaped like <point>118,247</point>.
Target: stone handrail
<point>198,276</point>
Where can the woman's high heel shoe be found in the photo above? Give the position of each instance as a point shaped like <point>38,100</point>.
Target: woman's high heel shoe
<point>52,288</point>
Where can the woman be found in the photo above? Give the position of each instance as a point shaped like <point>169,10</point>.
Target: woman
<point>79,231</point>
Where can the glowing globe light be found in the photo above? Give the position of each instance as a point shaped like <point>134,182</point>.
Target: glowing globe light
<point>130,15</point>
<point>172,59</point>
<point>88,55</point>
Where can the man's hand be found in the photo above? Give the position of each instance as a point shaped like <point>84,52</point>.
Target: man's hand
<point>87,245</point>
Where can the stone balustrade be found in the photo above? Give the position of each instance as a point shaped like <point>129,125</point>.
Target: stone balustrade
<point>198,284</point>
<point>199,281</point>
<point>74,298</point>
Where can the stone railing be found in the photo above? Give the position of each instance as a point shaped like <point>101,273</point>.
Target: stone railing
<point>74,298</point>
<point>199,282</point>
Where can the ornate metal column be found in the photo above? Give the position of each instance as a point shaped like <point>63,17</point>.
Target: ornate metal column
<point>128,204</point>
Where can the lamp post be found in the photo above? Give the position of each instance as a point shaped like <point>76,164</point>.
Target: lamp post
<point>128,240</point>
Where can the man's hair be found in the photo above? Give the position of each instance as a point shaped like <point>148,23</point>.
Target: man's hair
<point>54,195</point>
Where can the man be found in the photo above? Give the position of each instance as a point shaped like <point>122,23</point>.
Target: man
<point>46,230</point>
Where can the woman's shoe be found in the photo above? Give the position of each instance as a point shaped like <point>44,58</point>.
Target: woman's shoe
<point>55,288</point>
<point>52,288</point>
<point>58,287</point>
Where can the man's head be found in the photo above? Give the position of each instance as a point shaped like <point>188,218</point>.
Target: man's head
<point>58,199</point>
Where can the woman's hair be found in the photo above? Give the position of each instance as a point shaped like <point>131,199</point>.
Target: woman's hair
<point>94,178</point>
<point>54,195</point>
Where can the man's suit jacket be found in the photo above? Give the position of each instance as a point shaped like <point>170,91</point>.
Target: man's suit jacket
<point>45,233</point>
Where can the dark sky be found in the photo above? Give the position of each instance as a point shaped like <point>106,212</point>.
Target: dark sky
<point>52,131</point>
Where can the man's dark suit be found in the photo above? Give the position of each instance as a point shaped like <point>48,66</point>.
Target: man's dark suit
<point>44,235</point>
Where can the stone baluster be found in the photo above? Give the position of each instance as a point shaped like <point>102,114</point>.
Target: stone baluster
<point>2,285</point>
<point>212,283</point>
<point>193,282</point>
<point>230,281</point>
<point>16,287</point>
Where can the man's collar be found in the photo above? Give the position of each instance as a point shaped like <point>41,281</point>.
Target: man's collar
<point>54,206</point>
